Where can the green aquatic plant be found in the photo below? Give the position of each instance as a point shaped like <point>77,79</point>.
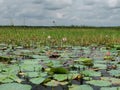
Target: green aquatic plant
<point>15,86</point>
<point>85,61</point>
<point>59,70</point>
<point>111,58</point>
<point>99,83</point>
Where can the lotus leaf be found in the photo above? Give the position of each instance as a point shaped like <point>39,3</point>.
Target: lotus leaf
<point>38,80</point>
<point>91,73</point>
<point>14,86</point>
<point>117,47</point>
<point>115,73</point>
<point>85,61</point>
<point>110,88</point>
<point>80,87</point>
<point>29,62</point>
<point>99,83</point>
<point>52,83</point>
<point>63,83</point>
<point>36,56</point>
<point>60,77</point>
<point>32,74</point>
<point>6,80</point>
<point>59,70</point>
<point>114,81</point>
<point>25,67</point>
<point>109,58</point>
<point>100,66</point>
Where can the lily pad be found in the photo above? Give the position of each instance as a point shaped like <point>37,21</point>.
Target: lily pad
<point>110,88</point>
<point>115,73</point>
<point>6,80</point>
<point>91,73</point>
<point>29,62</point>
<point>100,66</point>
<point>25,67</point>
<point>60,77</point>
<point>59,70</point>
<point>85,61</point>
<point>109,58</point>
<point>114,81</point>
<point>99,83</point>
<point>32,74</point>
<point>52,83</point>
<point>80,87</point>
<point>38,80</point>
<point>36,56</point>
<point>15,86</point>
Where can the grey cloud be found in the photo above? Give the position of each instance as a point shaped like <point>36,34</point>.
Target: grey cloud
<point>38,1</point>
<point>89,2</point>
<point>54,4</point>
<point>64,12</point>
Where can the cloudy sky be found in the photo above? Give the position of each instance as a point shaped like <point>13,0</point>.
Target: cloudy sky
<point>63,12</point>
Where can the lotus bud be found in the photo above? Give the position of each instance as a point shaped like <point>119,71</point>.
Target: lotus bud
<point>108,53</point>
<point>49,37</point>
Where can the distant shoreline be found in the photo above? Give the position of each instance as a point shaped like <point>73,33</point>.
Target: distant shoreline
<point>72,26</point>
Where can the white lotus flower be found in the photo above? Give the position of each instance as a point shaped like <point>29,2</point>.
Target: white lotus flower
<point>49,37</point>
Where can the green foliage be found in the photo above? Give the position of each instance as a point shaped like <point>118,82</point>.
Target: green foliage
<point>91,73</point>
<point>85,61</point>
<point>88,62</point>
<point>59,70</point>
<point>99,83</point>
<point>5,59</point>
<point>38,80</point>
<point>74,35</point>
<point>14,86</point>
<point>117,47</point>
<point>80,87</point>
<point>114,81</point>
<point>110,88</point>
<point>60,77</point>
<point>108,58</point>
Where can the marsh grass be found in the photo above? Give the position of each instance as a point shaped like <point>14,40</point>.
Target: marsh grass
<point>75,35</point>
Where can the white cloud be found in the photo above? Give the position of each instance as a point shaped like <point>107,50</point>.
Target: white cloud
<point>112,3</point>
<point>60,15</point>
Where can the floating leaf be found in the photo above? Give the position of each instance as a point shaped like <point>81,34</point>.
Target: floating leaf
<point>114,81</point>
<point>25,67</point>
<point>85,61</point>
<point>100,66</point>
<point>15,86</point>
<point>59,70</point>
<point>117,46</point>
<point>60,77</point>
<point>30,62</point>
<point>99,83</point>
<point>6,80</point>
<point>36,56</point>
<point>91,73</point>
<point>80,87</point>
<point>109,58</point>
<point>38,80</point>
<point>32,74</point>
<point>52,83</point>
<point>110,88</point>
<point>63,83</point>
<point>115,73</point>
